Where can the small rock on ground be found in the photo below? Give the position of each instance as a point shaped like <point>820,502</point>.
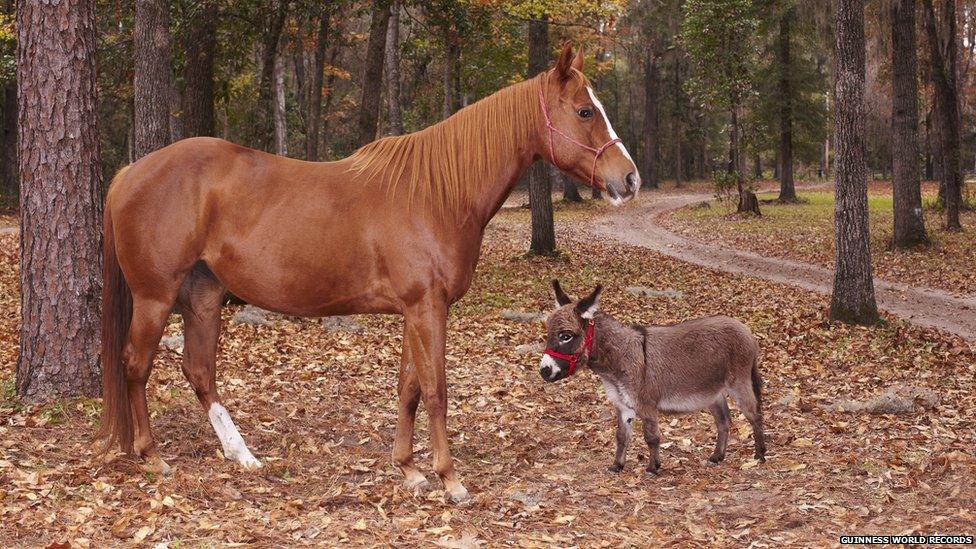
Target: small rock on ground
<point>530,348</point>
<point>644,291</point>
<point>526,499</point>
<point>900,399</point>
<point>521,316</point>
<point>251,315</point>
<point>341,324</point>
<point>173,342</point>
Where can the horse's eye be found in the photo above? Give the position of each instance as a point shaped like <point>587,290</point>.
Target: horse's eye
<point>585,112</point>
<point>565,337</point>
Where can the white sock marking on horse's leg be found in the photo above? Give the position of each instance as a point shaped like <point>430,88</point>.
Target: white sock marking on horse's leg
<point>230,438</point>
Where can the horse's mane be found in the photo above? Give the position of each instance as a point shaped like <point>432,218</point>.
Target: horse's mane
<point>444,165</point>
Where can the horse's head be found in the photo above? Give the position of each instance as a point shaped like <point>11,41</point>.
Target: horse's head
<point>577,134</point>
<point>569,338</point>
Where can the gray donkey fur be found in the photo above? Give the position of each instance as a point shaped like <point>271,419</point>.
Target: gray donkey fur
<point>647,370</point>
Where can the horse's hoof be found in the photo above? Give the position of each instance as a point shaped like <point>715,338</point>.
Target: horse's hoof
<point>417,485</point>
<point>250,463</point>
<point>156,465</point>
<point>615,468</point>
<point>458,494</point>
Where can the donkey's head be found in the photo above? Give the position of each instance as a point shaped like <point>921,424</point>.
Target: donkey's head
<point>569,338</point>
<point>577,134</point>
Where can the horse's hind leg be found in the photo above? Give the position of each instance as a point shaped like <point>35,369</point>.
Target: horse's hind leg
<point>408,389</point>
<point>200,300</point>
<point>148,320</point>
<point>723,423</point>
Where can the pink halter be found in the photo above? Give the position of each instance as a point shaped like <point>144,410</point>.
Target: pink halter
<point>551,128</point>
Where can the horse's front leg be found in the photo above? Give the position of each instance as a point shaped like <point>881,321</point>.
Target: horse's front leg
<point>426,330</point>
<point>408,389</point>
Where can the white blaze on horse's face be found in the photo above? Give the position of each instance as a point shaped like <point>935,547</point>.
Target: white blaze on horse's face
<point>629,179</point>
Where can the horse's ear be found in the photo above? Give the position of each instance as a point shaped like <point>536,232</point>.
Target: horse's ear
<point>588,306</point>
<point>565,62</point>
<point>578,60</point>
<point>561,297</point>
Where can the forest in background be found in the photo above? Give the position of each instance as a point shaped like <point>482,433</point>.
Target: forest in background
<point>304,78</point>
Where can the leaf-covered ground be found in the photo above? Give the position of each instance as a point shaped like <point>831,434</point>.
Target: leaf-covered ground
<point>318,407</point>
<point>805,232</point>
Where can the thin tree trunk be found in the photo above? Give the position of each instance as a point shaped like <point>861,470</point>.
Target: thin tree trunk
<point>151,82</point>
<point>942,52</point>
<point>60,225</point>
<point>540,186</point>
<point>909,226</point>
<point>372,83</point>
<point>452,69</point>
<point>198,76</point>
<point>649,171</point>
<point>928,146</point>
<point>8,145</point>
<point>280,121</point>
<point>264,128</point>
<point>393,84</point>
<point>570,188</point>
<point>787,190</point>
<point>853,295</point>
<point>314,116</point>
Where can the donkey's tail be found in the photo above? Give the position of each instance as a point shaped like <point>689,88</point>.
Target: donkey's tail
<point>116,427</point>
<point>757,384</point>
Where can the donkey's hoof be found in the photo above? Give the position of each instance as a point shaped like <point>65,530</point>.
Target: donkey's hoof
<point>653,469</point>
<point>457,494</point>
<point>156,465</point>
<point>715,459</point>
<point>615,468</point>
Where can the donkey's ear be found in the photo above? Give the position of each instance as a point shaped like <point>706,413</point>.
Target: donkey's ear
<point>578,60</point>
<point>561,297</point>
<point>588,306</point>
<point>566,62</point>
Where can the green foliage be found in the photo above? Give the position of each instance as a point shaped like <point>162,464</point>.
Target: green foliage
<point>8,46</point>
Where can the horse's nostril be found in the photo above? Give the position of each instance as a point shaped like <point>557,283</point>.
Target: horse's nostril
<point>632,181</point>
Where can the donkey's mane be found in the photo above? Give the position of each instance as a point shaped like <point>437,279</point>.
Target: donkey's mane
<point>445,165</point>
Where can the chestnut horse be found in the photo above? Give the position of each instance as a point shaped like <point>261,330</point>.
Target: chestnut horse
<point>394,228</point>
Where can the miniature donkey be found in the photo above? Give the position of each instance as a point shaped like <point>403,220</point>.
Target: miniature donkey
<point>645,370</point>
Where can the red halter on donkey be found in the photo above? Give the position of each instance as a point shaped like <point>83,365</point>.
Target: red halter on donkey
<point>189,222</point>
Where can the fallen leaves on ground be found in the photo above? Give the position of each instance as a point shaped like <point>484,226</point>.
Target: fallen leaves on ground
<point>805,232</point>
<point>318,407</point>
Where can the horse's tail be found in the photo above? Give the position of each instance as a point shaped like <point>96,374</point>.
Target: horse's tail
<point>116,425</point>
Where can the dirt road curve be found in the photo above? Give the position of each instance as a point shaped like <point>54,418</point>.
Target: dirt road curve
<point>636,224</point>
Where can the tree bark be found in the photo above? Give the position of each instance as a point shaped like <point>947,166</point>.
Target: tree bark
<point>452,71</point>
<point>369,104</point>
<point>853,294</point>
<point>909,226</point>
<point>314,115</point>
<point>8,145</point>
<point>651,158</point>
<point>787,190</point>
<point>280,121</point>
<point>942,54</point>
<point>60,261</point>
<point>264,126</point>
<point>570,188</point>
<point>151,85</point>
<point>198,76</point>
<point>393,83</point>
<point>540,186</point>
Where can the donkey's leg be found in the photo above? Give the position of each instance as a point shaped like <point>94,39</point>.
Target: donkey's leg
<point>723,422</point>
<point>148,320</point>
<point>426,326</point>
<point>625,432</point>
<point>408,389</point>
<point>652,436</point>
<point>201,330</point>
<point>749,402</point>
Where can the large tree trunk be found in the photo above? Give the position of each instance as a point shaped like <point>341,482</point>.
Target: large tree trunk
<point>198,76</point>
<point>280,122</point>
<point>8,145</point>
<point>61,260</point>
<point>942,53</point>
<point>151,85</point>
<point>264,126</point>
<point>393,84</point>
<point>314,116</point>
<point>649,170</point>
<point>540,186</point>
<point>909,227</point>
<point>853,296</point>
<point>787,191</point>
<point>369,104</point>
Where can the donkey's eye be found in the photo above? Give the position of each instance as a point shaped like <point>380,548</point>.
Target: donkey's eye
<point>585,112</point>
<point>566,337</point>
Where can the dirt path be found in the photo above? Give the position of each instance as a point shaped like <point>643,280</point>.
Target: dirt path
<point>636,224</point>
